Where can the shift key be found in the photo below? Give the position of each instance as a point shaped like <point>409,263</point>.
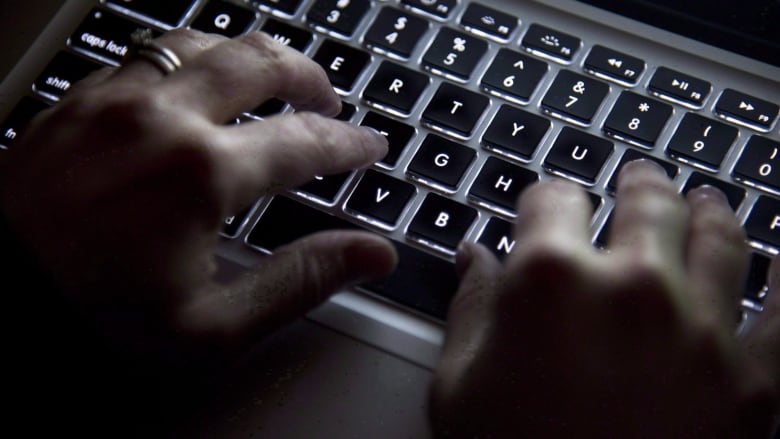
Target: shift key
<point>421,280</point>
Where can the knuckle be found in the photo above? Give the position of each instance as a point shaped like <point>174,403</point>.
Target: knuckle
<point>129,110</point>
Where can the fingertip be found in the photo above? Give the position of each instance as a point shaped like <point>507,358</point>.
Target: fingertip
<point>376,144</point>
<point>706,194</point>
<point>369,257</point>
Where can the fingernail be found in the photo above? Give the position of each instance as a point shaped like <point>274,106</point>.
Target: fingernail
<point>647,164</point>
<point>463,259</point>
<point>707,192</point>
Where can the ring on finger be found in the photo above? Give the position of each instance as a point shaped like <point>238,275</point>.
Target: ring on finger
<point>145,47</point>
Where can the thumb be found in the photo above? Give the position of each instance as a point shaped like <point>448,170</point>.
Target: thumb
<point>286,285</point>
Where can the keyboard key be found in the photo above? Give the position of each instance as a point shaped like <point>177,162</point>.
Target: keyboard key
<point>499,183</point>
<point>62,72</point>
<point>756,282</point>
<point>515,132</point>
<point>613,65</point>
<point>734,194</point>
<point>221,17</point>
<point>701,141</point>
<point>440,9</point>
<point>288,35</point>
<point>14,124</point>
<point>550,43</point>
<point>488,22</point>
<point>637,119</point>
<point>441,163</point>
<point>342,63</point>
<point>455,110</point>
<point>286,7</point>
<point>746,110</point>
<point>421,281</point>
<point>380,197</point>
<point>454,54</point>
<point>397,134</point>
<point>760,162</point>
<point>578,155</point>
<point>169,12</point>
<point>513,76</point>
<point>631,155</point>
<point>574,97</point>
<point>395,32</point>
<point>763,222</point>
<point>104,35</point>
<point>395,88</point>
<point>441,223</point>
<point>679,87</point>
<point>232,225</point>
<point>326,188</point>
<point>497,237</point>
<point>339,16</point>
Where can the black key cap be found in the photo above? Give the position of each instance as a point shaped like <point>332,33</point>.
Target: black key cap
<point>513,76</point>
<point>734,193</point>
<point>746,110</point>
<point>760,162</point>
<point>679,87</point>
<point>339,16</point>
<point>326,188</point>
<point>574,97</point>
<point>756,282</point>
<point>395,88</point>
<point>631,155</point>
<point>488,22</point>
<point>286,7</point>
<point>702,141</point>
<point>550,43</point>
<point>104,35</point>
<point>637,119</point>
<point>515,132</point>
<point>613,65</point>
<point>346,113</point>
<point>288,35</point>
<point>62,72</point>
<point>342,63</point>
<point>395,32</point>
<point>14,124</point>
<point>441,163</point>
<point>578,155</point>
<point>221,17</point>
<point>232,225</point>
<point>441,223</point>
<point>421,280</point>
<point>455,110</point>
<point>454,54</point>
<point>268,108</point>
<point>169,12</point>
<point>763,222</point>
<point>499,183</point>
<point>380,197</point>
<point>497,237</point>
<point>397,134</point>
<point>437,8</point>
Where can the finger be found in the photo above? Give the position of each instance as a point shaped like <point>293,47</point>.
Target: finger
<point>289,150</point>
<point>650,218</point>
<point>717,254</point>
<point>287,284</point>
<point>187,44</point>
<point>240,74</point>
<point>471,310</point>
<point>93,79</point>
<point>554,215</point>
<point>763,337</point>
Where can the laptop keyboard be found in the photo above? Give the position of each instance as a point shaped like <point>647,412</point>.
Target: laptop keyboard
<point>476,104</point>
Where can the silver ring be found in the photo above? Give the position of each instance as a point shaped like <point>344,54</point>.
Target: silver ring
<point>145,47</point>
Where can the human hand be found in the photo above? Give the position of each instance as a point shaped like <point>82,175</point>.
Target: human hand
<point>564,340</point>
<point>120,190</point>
